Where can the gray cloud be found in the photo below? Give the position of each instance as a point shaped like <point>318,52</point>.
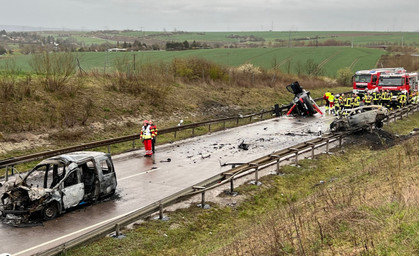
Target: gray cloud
<point>215,15</point>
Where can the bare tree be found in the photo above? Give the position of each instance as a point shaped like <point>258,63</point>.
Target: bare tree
<point>55,68</point>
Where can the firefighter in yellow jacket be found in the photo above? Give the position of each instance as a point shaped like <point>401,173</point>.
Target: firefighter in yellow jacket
<point>146,136</point>
<point>331,100</point>
<point>326,99</point>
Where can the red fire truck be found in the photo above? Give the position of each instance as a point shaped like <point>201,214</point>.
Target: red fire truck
<point>399,82</point>
<point>368,79</point>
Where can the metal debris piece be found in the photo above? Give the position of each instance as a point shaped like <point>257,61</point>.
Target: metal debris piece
<point>232,164</point>
<point>206,156</point>
<point>168,160</point>
<point>244,146</point>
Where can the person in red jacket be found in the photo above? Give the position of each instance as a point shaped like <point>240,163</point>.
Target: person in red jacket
<point>146,137</point>
<point>154,131</point>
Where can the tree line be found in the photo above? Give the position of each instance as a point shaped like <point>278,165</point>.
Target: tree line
<point>185,45</point>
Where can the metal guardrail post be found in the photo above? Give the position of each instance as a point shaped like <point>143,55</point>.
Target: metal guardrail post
<point>250,119</point>
<point>117,229</point>
<point>202,194</point>
<point>7,173</point>
<point>203,199</point>
<point>224,125</point>
<point>312,149</point>
<point>175,135</point>
<point>278,160</point>
<point>256,166</point>
<point>340,141</point>
<point>160,211</point>
<point>296,155</point>
<point>109,149</point>
<point>209,128</point>
<point>237,121</point>
<point>133,144</point>
<point>193,131</point>
<point>231,186</point>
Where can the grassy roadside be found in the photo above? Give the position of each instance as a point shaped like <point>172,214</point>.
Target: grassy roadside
<point>366,204</point>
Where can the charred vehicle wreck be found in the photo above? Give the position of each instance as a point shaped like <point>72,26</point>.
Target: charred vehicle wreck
<point>302,104</point>
<point>56,185</point>
<point>363,117</point>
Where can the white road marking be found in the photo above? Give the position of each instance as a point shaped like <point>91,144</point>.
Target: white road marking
<point>138,174</point>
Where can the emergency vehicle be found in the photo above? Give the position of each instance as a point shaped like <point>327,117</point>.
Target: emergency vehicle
<point>368,79</point>
<point>399,82</point>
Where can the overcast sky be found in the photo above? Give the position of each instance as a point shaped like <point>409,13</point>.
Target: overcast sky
<point>214,15</point>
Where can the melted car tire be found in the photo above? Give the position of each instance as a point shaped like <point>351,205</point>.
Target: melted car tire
<point>50,211</point>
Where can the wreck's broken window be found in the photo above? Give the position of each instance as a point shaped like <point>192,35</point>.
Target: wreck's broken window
<point>38,177</point>
<point>46,176</point>
<point>106,166</point>
<point>71,179</point>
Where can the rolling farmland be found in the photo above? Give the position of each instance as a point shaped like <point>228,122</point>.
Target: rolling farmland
<point>286,59</point>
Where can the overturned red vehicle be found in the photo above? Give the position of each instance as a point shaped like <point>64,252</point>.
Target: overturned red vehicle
<point>302,104</point>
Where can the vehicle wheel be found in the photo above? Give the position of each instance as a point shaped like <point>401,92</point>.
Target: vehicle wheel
<point>50,211</point>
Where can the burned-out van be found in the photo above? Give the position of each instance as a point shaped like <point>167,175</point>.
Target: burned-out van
<point>57,184</point>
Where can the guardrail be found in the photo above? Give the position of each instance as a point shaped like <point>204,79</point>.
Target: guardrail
<point>11,162</point>
<point>251,167</point>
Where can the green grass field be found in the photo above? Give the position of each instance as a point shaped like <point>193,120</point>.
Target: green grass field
<point>287,59</point>
<point>358,37</point>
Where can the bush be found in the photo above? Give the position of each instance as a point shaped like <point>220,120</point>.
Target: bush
<point>344,76</point>
<point>196,69</point>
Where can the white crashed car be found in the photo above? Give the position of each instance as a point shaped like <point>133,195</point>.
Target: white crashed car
<point>360,118</point>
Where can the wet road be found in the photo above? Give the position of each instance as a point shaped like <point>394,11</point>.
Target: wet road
<point>142,181</point>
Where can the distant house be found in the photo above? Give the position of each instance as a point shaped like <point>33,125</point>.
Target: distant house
<point>117,50</point>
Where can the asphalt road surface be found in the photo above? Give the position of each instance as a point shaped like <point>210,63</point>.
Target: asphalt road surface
<point>142,181</point>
